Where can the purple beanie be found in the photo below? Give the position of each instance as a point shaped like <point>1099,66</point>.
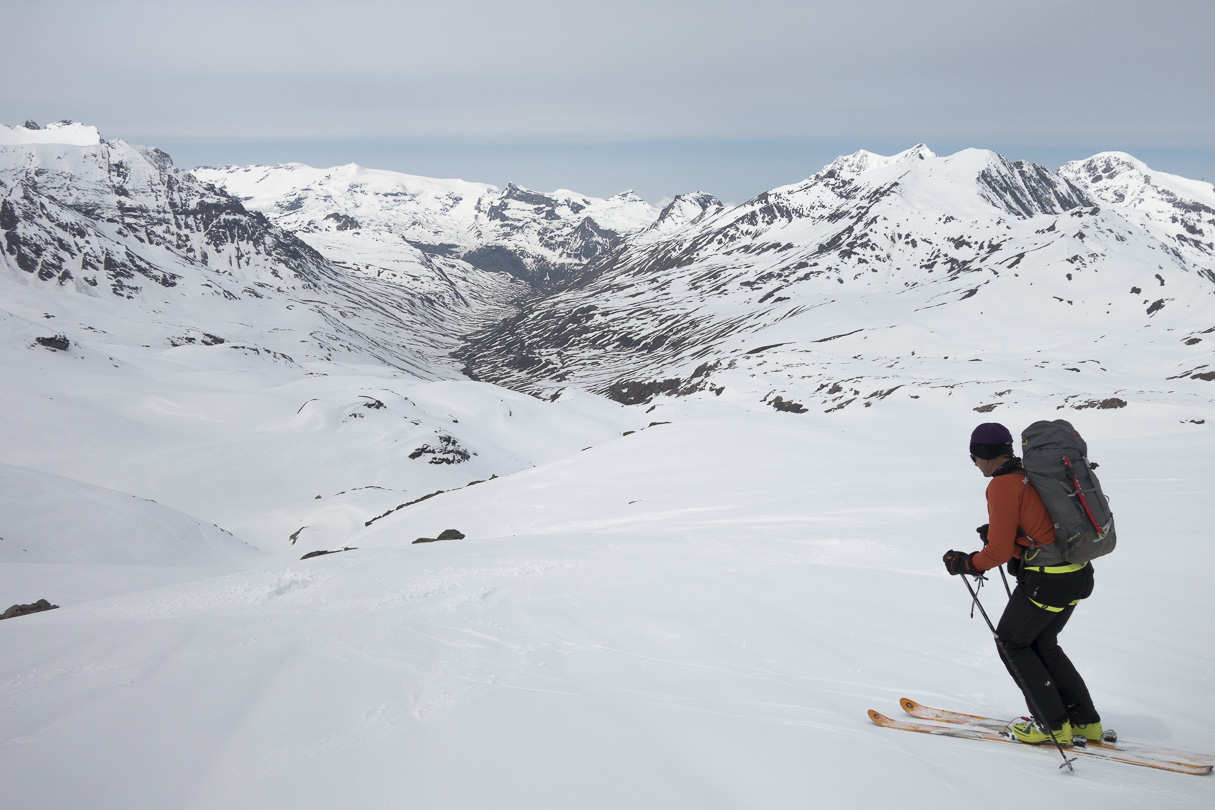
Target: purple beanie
<point>991,440</point>
<point>991,433</point>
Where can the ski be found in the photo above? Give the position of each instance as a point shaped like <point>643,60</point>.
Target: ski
<point>1138,749</point>
<point>978,732</point>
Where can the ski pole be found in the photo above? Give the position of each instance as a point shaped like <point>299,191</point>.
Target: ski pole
<point>1004,579</point>
<point>1033,702</point>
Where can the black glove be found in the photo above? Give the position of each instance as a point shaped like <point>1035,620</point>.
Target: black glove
<point>959,562</point>
<point>982,530</point>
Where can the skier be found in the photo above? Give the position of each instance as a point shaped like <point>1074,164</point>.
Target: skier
<point>1041,604</point>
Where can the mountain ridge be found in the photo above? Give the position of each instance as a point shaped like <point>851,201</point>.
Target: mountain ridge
<point>106,222</point>
<point>822,293</point>
<point>918,232</point>
<point>534,236</point>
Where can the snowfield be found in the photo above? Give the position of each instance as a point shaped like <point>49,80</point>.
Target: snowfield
<point>694,615</point>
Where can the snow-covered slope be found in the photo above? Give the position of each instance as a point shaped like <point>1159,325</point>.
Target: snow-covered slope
<point>380,222</point>
<point>907,276</point>
<point>693,616</point>
<point>286,460</point>
<point>47,518</point>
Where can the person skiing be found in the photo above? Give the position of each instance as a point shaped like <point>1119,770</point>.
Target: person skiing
<point>1043,601</point>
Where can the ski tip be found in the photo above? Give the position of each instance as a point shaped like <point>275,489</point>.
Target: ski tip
<point>908,704</point>
<point>878,717</point>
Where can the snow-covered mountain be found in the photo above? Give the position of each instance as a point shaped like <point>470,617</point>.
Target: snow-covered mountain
<point>883,274</point>
<point>371,220</point>
<point>877,276</point>
<point>1178,210</point>
<point>110,240</point>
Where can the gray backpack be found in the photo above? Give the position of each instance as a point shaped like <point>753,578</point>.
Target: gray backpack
<point>1055,459</point>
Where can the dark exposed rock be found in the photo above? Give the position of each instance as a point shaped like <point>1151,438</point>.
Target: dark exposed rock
<point>448,534</point>
<point>402,506</point>
<point>449,451</point>
<point>1026,189</point>
<point>343,222</point>
<point>788,406</point>
<point>311,554</point>
<point>500,259</point>
<point>634,392</point>
<point>58,342</point>
<point>22,610</point>
<point>1103,405</point>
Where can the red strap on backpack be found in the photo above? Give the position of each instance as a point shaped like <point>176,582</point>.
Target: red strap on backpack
<point>1067,462</point>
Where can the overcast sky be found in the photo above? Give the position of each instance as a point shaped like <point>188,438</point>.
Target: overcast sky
<point>660,96</point>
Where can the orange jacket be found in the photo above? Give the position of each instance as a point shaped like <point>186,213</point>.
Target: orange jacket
<point>1012,503</point>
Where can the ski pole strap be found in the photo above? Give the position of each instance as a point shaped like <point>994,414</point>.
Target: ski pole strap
<point>979,580</point>
<point>1055,569</point>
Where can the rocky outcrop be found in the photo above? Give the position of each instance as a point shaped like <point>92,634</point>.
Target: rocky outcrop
<point>24,610</point>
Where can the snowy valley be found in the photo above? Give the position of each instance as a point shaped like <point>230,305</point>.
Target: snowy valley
<point>705,460</point>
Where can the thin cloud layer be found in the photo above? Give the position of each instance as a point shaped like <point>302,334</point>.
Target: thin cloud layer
<point>1115,73</point>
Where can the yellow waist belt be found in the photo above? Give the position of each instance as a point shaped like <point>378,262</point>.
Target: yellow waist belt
<point>1054,569</point>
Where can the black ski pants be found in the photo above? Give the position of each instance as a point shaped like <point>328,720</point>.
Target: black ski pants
<point>1029,641</point>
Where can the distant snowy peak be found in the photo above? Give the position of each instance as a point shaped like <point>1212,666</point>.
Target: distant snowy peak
<point>1119,179</point>
<point>66,133</point>
<point>1179,210</point>
<point>863,160</point>
<point>688,208</point>
<point>973,182</point>
<point>536,236</point>
<point>859,198</point>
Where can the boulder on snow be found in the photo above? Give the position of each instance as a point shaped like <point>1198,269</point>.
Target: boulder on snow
<point>449,451</point>
<point>58,342</point>
<point>448,534</point>
<point>21,610</point>
<point>324,552</point>
<point>788,406</point>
